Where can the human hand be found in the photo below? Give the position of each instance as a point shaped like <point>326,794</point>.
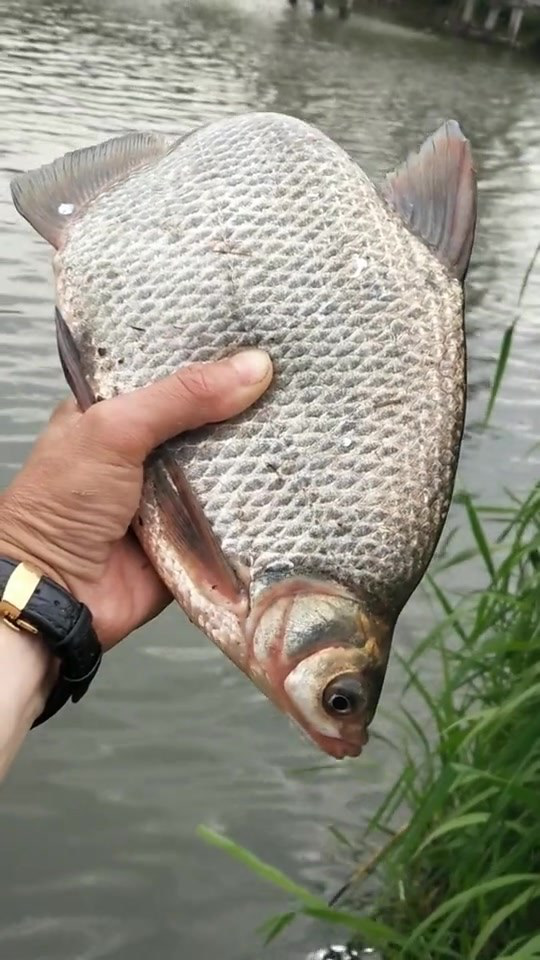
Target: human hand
<point>69,509</point>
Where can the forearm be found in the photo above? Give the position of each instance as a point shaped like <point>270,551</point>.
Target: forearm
<point>25,680</point>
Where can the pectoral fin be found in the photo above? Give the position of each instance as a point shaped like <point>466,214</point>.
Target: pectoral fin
<point>71,363</point>
<point>435,194</point>
<point>189,531</point>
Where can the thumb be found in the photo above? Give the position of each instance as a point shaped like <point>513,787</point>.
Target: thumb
<point>135,423</point>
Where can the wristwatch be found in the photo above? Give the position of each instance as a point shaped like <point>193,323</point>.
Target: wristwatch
<point>31,602</point>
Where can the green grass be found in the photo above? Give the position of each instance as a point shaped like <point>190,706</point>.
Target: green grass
<point>463,877</point>
<point>457,866</point>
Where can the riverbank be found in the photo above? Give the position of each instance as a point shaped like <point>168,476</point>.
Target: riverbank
<point>446,16</point>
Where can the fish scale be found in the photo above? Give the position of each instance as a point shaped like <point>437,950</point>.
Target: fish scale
<point>259,230</point>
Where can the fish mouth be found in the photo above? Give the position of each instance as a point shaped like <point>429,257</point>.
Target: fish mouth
<point>338,748</point>
<point>340,745</point>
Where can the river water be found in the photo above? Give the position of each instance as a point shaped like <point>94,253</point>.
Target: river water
<point>98,855</point>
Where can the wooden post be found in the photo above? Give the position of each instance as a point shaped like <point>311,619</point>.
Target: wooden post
<point>468,11</point>
<point>345,7</point>
<point>515,23</point>
<point>492,18</point>
<point>318,4</point>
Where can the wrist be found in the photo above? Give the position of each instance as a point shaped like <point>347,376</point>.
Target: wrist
<point>36,605</point>
<point>29,668</point>
<point>27,673</point>
<point>21,550</point>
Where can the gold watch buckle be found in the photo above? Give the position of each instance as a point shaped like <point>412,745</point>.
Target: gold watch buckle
<point>17,592</point>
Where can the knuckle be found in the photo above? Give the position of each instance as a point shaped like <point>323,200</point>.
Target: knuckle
<point>196,385</point>
<point>107,437</point>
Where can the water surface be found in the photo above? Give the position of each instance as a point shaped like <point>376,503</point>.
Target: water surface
<point>97,820</point>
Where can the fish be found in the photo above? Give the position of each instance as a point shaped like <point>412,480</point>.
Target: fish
<point>294,534</point>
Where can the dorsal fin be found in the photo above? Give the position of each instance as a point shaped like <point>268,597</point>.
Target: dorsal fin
<point>51,196</point>
<point>434,192</point>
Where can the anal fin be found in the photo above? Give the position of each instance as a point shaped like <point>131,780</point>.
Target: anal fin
<point>189,530</point>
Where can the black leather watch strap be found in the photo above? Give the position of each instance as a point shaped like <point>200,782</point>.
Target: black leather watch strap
<point>64,624</point>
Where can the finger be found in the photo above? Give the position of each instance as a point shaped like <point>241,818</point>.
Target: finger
<point>134,424</point>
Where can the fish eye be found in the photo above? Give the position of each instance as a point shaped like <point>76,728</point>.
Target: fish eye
<point>344,696</point>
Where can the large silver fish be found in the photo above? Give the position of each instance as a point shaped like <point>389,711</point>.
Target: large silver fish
<point>293,535</point>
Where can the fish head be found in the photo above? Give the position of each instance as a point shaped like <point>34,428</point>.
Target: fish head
<point>319,655</point>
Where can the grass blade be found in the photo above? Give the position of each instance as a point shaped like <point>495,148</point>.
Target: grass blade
<point>529,951</point>
<point>502,361</point>
<point>500,916</point>
<point>276,925</point>
<point>479,535</point>
<point>506,343</point>
<point>468,896</point>
<point>266,872</point>
<point>458,823</point>
<point>376,933</point>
